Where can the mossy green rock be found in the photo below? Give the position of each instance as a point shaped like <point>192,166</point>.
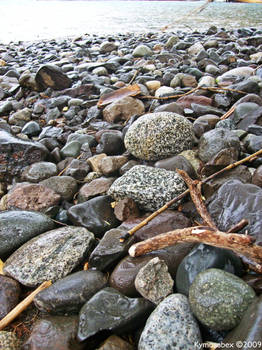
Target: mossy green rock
<point>219,299</point>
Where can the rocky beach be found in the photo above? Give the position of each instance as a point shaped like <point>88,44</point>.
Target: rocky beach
<point>92,132</point>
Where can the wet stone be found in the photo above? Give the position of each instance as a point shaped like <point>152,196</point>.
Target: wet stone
<point>204,257</point>
<point>65,186</point>
<point>96,187</point>
<point>149,187</point>
<point>96,214</point>
<point>257,177</point>
<point>176,162</point>
<point>52,76</point>
<point>171,326</point>
<point>219,299</point>
<point>54,332</point>
<point>126,208</point>
<point>39,171</point>
<point>156,136</point>
<point>9,341</point>
<point>123,109</point>
<point>9,295</point>
<point>153,281</point>
<point>50,256</point>
<point>111,310</point>
<point>70,293</point>
<point>17,227</point>
<point>115,343</point>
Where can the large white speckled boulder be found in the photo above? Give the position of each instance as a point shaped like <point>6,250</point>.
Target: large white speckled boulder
<point>159,135</point>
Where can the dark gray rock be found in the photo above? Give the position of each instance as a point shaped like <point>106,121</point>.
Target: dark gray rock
<point>17,227</point>
<point>39,171</point>
<point>52,76</point>
<point>149,187</point>
<point>50,256</point>
<point>219,299</point>
<point>171,326</point>
<point>111,310</point>
<point>66,186</point>
<point>96,214</point>
<point>9,295</point>
<point>176,162</point>
<point>70,293</point>
<point>31,128</point>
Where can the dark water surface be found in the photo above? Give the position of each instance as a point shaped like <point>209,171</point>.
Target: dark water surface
<point>32,19</point>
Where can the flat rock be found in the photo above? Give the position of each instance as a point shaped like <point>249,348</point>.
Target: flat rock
<point>17,154</point>
<point>39,171</point>
<point>52,76</point>
<point>18,226</point>
<point>50,256</point>
<point>9,295</point>
<point>156,136</point>
<point>65,186</point>
<point>96,187</point>
<point>54,332</point>
<point>70,293</point>
<point>149,187</point>
<point>234,201</point>
<point>171,326</point>
<point>219,299</point>
<point>153,281</point>
<point>111,310</point>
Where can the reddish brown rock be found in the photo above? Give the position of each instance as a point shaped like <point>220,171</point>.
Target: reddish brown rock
<point>111,164</point>
<point>115,343</point>
<point>94,188</point>
<point>32,197</point>
<point>126,209</point>
<point>186,101</point>
<point>9,295</point>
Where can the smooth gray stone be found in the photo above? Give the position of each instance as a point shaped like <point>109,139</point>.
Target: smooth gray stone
<point>66,186</point>
<point>18,226</point>
<point>50,256</point>
<point>111,310</point>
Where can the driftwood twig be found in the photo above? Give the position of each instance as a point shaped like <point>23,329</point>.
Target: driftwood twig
<point>22,306</point>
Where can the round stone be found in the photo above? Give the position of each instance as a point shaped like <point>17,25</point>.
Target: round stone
<point>219,299</point>
<point>156,136</point>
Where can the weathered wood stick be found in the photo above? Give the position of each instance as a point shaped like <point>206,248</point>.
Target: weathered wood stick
<point>241,244</point>
<point>196,197</point>
<point>182,195</point>
<point>22,305</point>
<point>241,224</point>
<point>228,113</point>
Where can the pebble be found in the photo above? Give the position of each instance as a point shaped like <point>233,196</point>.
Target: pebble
<point>115,343</point>
<point>171,326</point>
<point>9,295</point>
<point>65,186</point>
<point>219,299</point>
<point>39,171</point>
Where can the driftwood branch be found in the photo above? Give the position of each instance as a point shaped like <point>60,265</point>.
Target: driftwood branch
<point>240,244</point>
<point>22,306</point>
<point>182,195</point>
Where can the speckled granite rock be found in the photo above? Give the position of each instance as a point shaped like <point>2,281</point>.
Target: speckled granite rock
<point>219,299</point>
<point>18,226</point>
<point>153,281</point>
<point>50,256</point>
<point>111,310</point>
<point>9,341</point>
<point>170,326</point>
<point>149,187</point>
<point>156,136</point>
<point>70,293</point>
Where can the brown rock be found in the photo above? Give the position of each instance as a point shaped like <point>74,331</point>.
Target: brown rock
<point>186,101</point>
<point>52,76</point>
<point>9,295</point>
<point>176,162</point>
<point>115,343</point>
<point>111,164</point>
<point>188,80</point>
<point>32,197</point>
<point>94,188</point>
<point>126,209</point>
<point>257,177</point>
<point>95,162</point>
<point>204,123</point>
<point>123,109</point>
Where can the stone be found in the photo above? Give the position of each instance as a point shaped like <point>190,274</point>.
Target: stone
<point>176,162</point>
<point>107,46</point>
<point>78,169</point>
<point>9,341</point>
<point>95,162</point>
<point>65,186</point>
<point>9,295</point>
<point>96,187</point>
<point>253,143</point>
<point>171,326</point>
<point>153,281</point>
<point>204,257</point>
<point>34,197</point>
<point>126,208</point>
<point>257,177</point>
<point>153,85</point>
<point>155,136</point>
<point>244,72</point>
<point>50,256</point>
<point>219,299</point>
<point>123,109</point>
<point>39,171</point>
<point>111,310</point>
<point>141,51</point>
<point>115,343</point>
<point>213,141</point>
<point>111,164</point>
<point>70,293</point>
<point>249,329</point>
<point>149,187</point>
<point>71,149</point>
<point>18,226</point>
<point>123,276</point>
<point>170,107</point>
<point>111,143</point>
<point>96,214</point>
<point>165,91</point>
<point>109,249</point>
<point>52,76</point>
<point>54,332</point>
<point>234,201</point>
<point>31,129</point>
<point>21,117</point>
<point>195,49</point>
<point>204,123</point>
<point>17,154</point>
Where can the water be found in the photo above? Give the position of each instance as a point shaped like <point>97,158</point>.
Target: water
<point>34,19</point>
